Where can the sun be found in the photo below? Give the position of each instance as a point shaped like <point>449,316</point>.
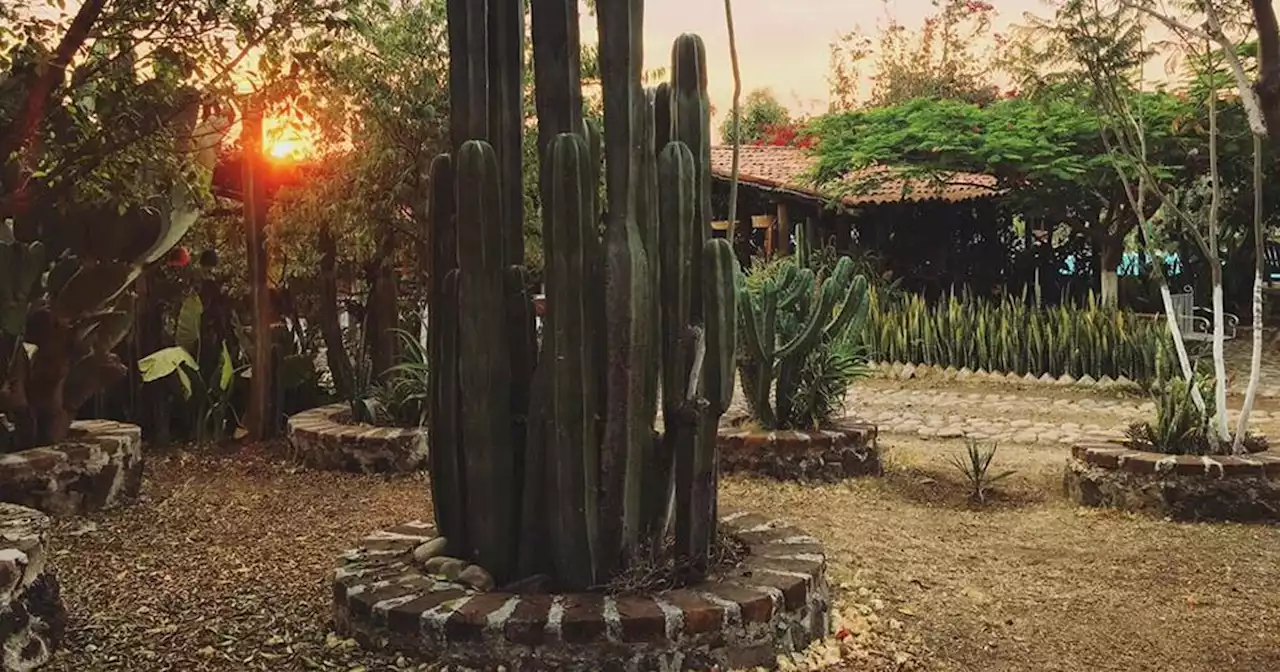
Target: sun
<point>287,141</point>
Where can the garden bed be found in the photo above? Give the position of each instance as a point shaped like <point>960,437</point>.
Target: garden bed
<point>32,616</point>
<point>325,438</point>
<point>776,601</point>
<point>1182,487</point>
<point>829,455</point>
<point>99,466</point>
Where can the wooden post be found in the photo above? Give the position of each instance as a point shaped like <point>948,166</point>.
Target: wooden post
<point>259,420</point>
<point>784,229</point>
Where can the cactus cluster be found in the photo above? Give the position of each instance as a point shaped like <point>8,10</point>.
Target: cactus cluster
<point>65,304</point>
<point>545,456</point>
<point>784,317</point>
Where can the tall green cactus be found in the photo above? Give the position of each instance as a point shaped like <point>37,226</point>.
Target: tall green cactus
<point>571,479</point>
<point>783,321</point>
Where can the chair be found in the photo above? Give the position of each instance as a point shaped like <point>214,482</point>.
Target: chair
<point>1196,323</point>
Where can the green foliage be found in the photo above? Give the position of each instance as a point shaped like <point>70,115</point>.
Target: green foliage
<point>205,388</point>
<point>404,390</point>
<point>760,112</point>
<point>1011,336</point>
<point>974,467</point>
<point>796,357</point>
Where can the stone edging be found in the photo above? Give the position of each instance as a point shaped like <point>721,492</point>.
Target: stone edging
<point>98,467</point>
<point>775,602</point>
<point>900,371</point>
<point>830,455</point>
<point>32,616</point>
<point>1182,487</point>
<point>323,438</point>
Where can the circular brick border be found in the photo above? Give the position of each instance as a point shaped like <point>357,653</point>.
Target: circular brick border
<point>32,616</point>
<point>1182,487</point>
<point>98,467</point>
<point>325,438</point>
<point>829,455</point>
<point>775,601</point>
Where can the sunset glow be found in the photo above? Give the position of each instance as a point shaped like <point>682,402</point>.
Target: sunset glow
<point>285,140</point>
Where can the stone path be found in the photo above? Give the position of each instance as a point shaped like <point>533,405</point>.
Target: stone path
<point>1004,417</point>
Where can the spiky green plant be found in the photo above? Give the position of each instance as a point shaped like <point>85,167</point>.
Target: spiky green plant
<point>787,313</point>
<point>1010,335</point>
<point>975,467</point>
<point>545,459</point>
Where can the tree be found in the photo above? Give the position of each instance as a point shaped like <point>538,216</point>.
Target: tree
<point>1047,156</point>
<point>941,60</point>
<point>760,112</point>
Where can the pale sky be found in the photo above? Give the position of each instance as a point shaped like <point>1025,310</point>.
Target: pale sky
<point>783,44</point>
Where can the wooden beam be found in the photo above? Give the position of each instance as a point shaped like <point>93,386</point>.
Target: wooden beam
<point>258,420</point>
<point>784,229</point>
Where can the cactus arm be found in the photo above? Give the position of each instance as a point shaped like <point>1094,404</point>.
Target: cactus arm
<point>468,70</point>
<point>444,434</point>
<point>572,448</point>
<point>720,302</point>
<point>556,69</point>
<point>506,48</point>
<point>484,363</point>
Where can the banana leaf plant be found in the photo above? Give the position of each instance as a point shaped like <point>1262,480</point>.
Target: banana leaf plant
<point>66,300</point>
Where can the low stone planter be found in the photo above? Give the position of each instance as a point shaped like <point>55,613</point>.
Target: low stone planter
<point>1181,487</point>
<point>775,602</point>
<point>827,455</point>
<point>325,438</point>
<point>32,616</point>
<point>98,467</point>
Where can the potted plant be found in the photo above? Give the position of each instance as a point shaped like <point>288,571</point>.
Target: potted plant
<point>799,351</point>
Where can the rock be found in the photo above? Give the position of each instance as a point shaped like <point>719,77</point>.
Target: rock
<point>980,373</point>
<point>1086,381</point>
<point>1013,377</point>
<point>1024,437</point>
<point>964,374</point>
<point>476,577</point>
<point>907,372</point>
<point>1047,378</point>
<point>1106,382</point>
<point>450,568</point>
<point>949,373</point>
<point>429,549</point>
<point>950,433</point>
<point>1066,379</point>
<point>1030,377</point>
<point>924,371</point>
<point>1020,423</point>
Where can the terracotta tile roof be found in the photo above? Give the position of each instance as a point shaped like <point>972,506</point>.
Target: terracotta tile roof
<point>786,167</point>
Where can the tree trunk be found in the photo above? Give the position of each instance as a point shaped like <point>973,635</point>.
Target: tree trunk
<point>258,417</point>
<point>330,327</point>
<point>1109,258</point>
<point>1259,267</point>
<point>385,310</point>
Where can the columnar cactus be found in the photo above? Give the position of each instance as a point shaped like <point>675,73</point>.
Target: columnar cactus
<point>546,459</point>
<point>783,321</point>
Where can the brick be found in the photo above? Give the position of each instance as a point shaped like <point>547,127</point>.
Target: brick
<point>700,614</point>
<point>756,606</point>
<point>642,619</point>
<point>527,624</point>
<point>468,622</point>
<point>583,620</point>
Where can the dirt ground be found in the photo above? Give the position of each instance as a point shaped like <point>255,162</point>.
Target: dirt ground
<point>224,565</point>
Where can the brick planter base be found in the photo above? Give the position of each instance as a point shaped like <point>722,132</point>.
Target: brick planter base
<point>98,467</point>
<point>324,438</point>
<point>1182,487</point>
<point>823,455</point>
<point>32,617</point>
<point>776,601</point>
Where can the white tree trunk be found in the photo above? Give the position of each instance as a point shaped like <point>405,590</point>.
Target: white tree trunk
<point>1259,270</point>
<point>1219,361</point>
<point>1110,288</point>
<point>1184,362</point>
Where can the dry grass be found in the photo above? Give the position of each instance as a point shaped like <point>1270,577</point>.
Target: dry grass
<point>225,566</point>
